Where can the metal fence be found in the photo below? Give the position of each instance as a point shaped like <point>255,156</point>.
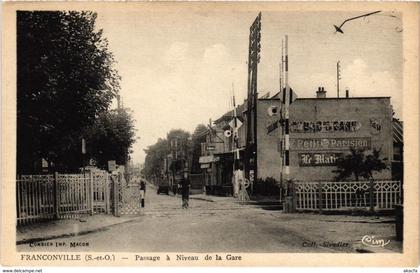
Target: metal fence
<point>60,196</point>
<point>374,195</point>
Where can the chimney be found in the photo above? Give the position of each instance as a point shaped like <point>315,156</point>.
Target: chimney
<point>347,93</point>
<point>321,93</point>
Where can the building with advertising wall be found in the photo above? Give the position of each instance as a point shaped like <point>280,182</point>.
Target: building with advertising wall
<point>321,130</point>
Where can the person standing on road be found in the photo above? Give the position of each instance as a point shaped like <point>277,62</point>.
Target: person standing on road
<point>142,192</point>
<point>238,178</point>
<point>185,189</point>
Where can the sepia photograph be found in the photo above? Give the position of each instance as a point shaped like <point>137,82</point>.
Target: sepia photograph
<point>204,132</point>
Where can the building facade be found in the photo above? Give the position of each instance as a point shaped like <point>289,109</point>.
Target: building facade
<point>321,131</point>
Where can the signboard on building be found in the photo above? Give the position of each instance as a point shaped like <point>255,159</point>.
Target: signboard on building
<point>325,126</point>
<point>208,159</point>
<point>318,159</point>
<point>343,143</point>
<point>112,165</point>
<point>272,126</point>
<point>210,147</point>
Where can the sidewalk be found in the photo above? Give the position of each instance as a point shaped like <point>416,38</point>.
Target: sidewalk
<point>67,227</point>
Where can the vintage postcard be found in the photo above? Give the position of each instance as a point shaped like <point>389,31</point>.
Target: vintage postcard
<point>210,134</point>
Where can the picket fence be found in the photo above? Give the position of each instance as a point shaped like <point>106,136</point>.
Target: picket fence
<point>374,195</point>
<point>61,196</point>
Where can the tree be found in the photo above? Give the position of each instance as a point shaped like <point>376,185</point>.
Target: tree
<point>183,141</point>
<point>111,137</point>
<point>155,156</point>
<point>158,152</point>
<point>65,80</point>
<point>360,164</point>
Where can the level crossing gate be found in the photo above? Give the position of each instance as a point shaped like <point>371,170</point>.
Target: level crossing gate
<point>127,201</point>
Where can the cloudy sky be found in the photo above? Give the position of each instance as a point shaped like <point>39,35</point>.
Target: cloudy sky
<point>177,68</point>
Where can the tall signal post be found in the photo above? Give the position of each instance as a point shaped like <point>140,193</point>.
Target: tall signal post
<point>251,135</point>
<point>287,98</point>
<point>338,79</point>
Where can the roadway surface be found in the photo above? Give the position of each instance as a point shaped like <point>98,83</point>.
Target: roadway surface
<point>220,224</point>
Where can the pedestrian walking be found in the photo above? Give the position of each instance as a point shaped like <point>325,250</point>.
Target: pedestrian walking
<point>185,189</point>
<point>142,192</point>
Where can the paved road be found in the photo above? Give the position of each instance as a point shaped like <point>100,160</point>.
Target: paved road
<point>221,225</point>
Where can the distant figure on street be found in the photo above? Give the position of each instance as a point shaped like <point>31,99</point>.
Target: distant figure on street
<point>185,189</point>
<point>174,187</point>
<point>142,192</point>
<point>238,179</point>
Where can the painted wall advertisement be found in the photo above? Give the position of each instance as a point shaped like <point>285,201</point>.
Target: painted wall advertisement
<point>318,159</point>
<point>326,144</point>
<point>331,126</point>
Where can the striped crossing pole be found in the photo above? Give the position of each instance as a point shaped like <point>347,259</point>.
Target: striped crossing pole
<point>287,97</point>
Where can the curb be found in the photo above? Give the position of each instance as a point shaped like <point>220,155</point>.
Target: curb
<point>71,234</point>
<point>360,221</point>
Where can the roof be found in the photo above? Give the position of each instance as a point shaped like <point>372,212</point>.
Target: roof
<point>229,115</point>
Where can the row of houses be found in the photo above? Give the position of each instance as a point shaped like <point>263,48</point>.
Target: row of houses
<point>322,129</point>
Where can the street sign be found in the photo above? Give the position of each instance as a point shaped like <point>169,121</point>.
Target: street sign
<point>210,148</point>
<point>232,123</point>
<point>208,159</point>
<point>112,165</point>
<point>205,166</point>
<point>292,95</point>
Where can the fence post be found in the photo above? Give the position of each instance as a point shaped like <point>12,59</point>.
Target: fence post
<point>371,188</point>
<point>294,198</point>
<point>91,192</point>
<point>320,197</point>
<point>107,193</point>
<point>56,192</point>
<point>116,196</point>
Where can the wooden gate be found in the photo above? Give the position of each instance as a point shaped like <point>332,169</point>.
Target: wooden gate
<point>74,194</point>
<point>58,196</point>
<point>101,189</point>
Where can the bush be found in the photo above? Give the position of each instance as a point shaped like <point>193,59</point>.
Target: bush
<point>267,187</point>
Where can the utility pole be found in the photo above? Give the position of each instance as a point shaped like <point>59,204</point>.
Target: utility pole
<point>338,79</point>
<point>281,66</point>
<point>251,136</point>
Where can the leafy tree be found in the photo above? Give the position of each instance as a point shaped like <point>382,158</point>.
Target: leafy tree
<point>111,137</point>
<point>359,164</point>
<point>155,156</point>
<point>65,80</point>
<point>157,153</point>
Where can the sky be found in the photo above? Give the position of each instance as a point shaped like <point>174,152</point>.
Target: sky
<point>178,68</point>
